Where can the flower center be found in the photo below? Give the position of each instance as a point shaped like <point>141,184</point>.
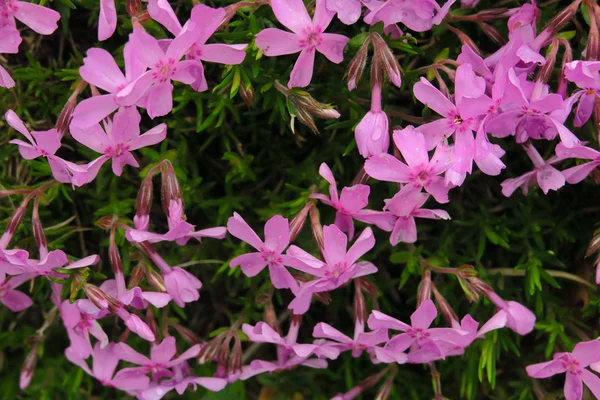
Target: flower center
<point>418,333</point>
<point>164,70</point>
<point>312,39</point>
<point>194,53</point>
<point>117,150</point>
<point>271,257</point>
<point>590,92</point>
<point>458,120</point>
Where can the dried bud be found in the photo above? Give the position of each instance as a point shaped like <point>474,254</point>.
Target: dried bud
<point>187,334</point>
<point>298,222</point>
<point>545,72</point>
<point>359,306</point>
<point>170,189</point>
<point>303,106</point>
<point>247,94</point>
<point>493,33</point>
<point>133,7</point>
<point>96,296</point>
<point>317,229</point>
<point>464,38</point>
<point>113,254</point>
<point>357,65</point>
<point>235,359</point>
<point>386,388</point>
<point>592,50</point>
<point>144,16</point>
<point>444,307</point>
<point>151,321</point>
<point>104,222</point>
<point>424,288</point>
<point>28,368</point>
<point>64,119</point>
<point>156,280</point>
<point>323,297</point>
<point>38,230</point>
<point>385,59</point>
<point>136,276</point>
<point>144,199</point>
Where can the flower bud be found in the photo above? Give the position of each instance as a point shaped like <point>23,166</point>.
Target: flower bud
<point>545,72</point>
<point>64,119</point>
<point>424,288</point>
<point>359,305</point>
<point>592,50</point>
<point>133,7</point>
<point>187,334</point>
<point>170,189</point>
<point>444,307</point>
<point>143,203</point>
<point>385,60</point>
<point>136,276</point>
<point>298,222</point>
<point>357,65</point>
<point>28,368</point>
<point>144,16</point>
<point>38,232</point>
<point>493,34</point>
<point>151,321</point>
<point>13,224</point>
<point>464,38</point>
<point>235,359</point>
<point>96,296</point>
<point>247,95</point>
<point>317,229</point>
<point>156,280</point>
<point>386,388</point>
<point>113,254</point>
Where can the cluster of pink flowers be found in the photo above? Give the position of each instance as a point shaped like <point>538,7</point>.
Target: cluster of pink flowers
<point>493,97</point>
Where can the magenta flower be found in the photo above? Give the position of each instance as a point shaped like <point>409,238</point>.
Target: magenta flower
<point>182,286</point>
<point>579,172</point>
<point>574,365</point>
<point>180,381</point>
<point>40,19</point>
<point>372,133</point>
<point>107,20</point>
<point>11,298</point>
<point>546,176</point>
<point>45,266</point>
<point>362,340</point>
<point>404,207</point>
<point>459,120</point>
<point>104,366</point>
<point>349,205</point>
<point>585,75</point>
<point>420,171</point>
<point>419,15</point>
<point>307,37</point>
<point>45,144</point>
<point>161,357</point>
<point>164,65</point>
<point>79,326</point>
<point>270,252</point>
<point>115,142</point>
<point>511,314</point>
<point>100,69</point>
<point>134,297</point>
<point>523,21</point>
<point>340,266</point>
<point>528,112</point>
<point>431,343</point>
<point>348,11</point>
<point>179,231</point>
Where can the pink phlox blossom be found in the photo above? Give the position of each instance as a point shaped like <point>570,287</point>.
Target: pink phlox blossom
<point>135,297</point>
<point>182,286</point>
<point>105,361</point>
<point>523,22</point>
<point>579,172</point>
<point>180,231</point>
<point>115,142</point>
<point>180,381</point>
<point>510,314</point>
<point>585,75</point>
<point>18,263</point>
<point>209,19</point>
<point>349,205</point>
<point>154,88</point>
<point>348,11</point>
<point>270,252</point>
<point>419,15</point>
<point>40,19</point>
<point>362,341</point>
<point>79,326</point>
<point>418,171</point>
<point>162,357</point>
<point>340,265</point>
<point>545,175</point>
<point>426,344</point>
<point>257,367</point>
<point>527,113</point>
<point>372,132</point>
<point>574,365</point>
<point>45,144</point>
<point>100,69</point>
<point>263,333</point>
<point>401,211</point>
<point>308,36</point>
<point>107,19</point>
<point>11,298</point>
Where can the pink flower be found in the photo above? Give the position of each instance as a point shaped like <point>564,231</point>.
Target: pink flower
<point>104,366</point>
<point>511,314</point>
<point>546,176</point>
<point>11,298</point>
<point>430,343</point>
<point>260,366</point>
<point>350,204</point>
<point>307,37</point>
<point>418,15</point>
<point>161,357</point>
<point>419,172</point>
<point>522,22</point>
<point>585,75</point>
<point>362,340</point>
<point>164,66</point>
<point>45,266</point>
<point>107,20</point>
<point>182,286</point>
<point>348,11</point>
<point>179,231</point>
<point>5,80</point>
<point>459,120</point>
<point>42,143</point>
<point>372,133</point>
<point>79,326</point>
<point>270,252</point>
<point>40,19</point>
<point>180,381</point>
<point>115,142</point>
<point>100,69</point>
<point>573,364</point>
<point>339,267</point>
<point>580,172</point>
<point>403,208</point>
<point>209,19</point>
<point>530,112</point>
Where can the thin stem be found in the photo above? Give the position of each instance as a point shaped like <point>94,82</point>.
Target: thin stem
<point>551,272</point>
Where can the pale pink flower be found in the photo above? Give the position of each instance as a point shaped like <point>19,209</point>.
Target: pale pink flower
<point>11,298</point>
<point>107,19</point>
<point>418,15</point>
<point>308,36</point>
<point>510,314</point>
<point>79,326</point>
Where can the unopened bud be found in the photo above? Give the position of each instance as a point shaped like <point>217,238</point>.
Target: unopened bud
<point>424,288</point>
<point>28,368</point>
<point>64,119</point>
<point>304,107</point>
<point>317,229</point>
<point>464,38</point>
<point>555,25</point>
<point>567,58</point>
<point>136,276</point>
<point>386,388</point>
<point>361,177</point>
<point>247,94</point>
<point>444,307</point>
<point>357,65</point>
<point>493,34</point>
<point>144,16</point>
<point>96,296</point>
<point>170,189</point>
<point>133,7</point>
<point>105,222</point>
<point>113,254</point>
<point>235,359</point>
<point>151,321</point>
<point>298,222</point>
<point>359,306</point>
<point>386,60</point>
<point>13,224</point>
<point>144,200</point>
<point>156,280</point>
<point>592,50</point>
<point>38,233</point>
<point>187,334</point>
<point>545,72</point>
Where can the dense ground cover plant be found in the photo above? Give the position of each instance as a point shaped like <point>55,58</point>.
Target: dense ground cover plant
<point>336,225</point>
